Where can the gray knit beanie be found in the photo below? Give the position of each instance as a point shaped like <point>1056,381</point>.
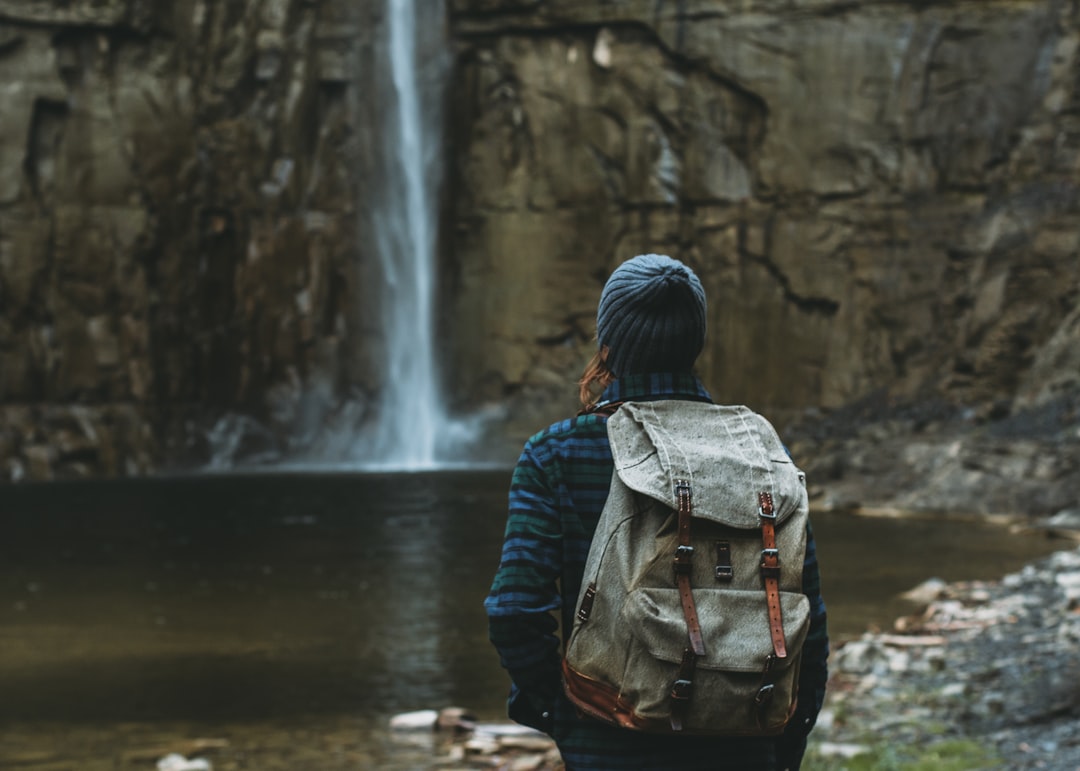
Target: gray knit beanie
<point>651,316</point>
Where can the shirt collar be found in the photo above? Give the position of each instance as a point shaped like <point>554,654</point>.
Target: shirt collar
<point>655,385</point>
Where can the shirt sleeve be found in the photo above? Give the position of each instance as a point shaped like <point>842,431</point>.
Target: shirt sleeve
<point>815,671</point>
<point>525,592</point>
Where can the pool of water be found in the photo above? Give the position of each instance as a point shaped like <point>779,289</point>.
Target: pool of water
<point>288,616</point>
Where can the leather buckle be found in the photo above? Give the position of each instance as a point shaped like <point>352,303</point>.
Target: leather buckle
<point>724,570</point>
<point>684,559</point>
<point>682,690</point>
<point>586,603</point>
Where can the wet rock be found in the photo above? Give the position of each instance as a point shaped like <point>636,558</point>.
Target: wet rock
<point>1066,519</point>
<point>482,745</point>
<point>422,720</point>
<point>455,719</point>
<point>485,745</point>
<point>176,762</point>
<point>871,656</point>
<point>926,592</point>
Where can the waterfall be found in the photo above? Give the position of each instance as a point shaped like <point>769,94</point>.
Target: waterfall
<point>407,427</point>
<point>412,422</point>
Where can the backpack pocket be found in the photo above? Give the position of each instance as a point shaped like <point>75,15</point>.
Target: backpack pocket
<point>734,625</point>
<point>728,680</point>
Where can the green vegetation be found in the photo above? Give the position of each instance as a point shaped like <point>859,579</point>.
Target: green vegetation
<point>951,755</point>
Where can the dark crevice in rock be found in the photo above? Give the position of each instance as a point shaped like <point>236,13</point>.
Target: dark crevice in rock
<point>612,171</point>
<point>44,137</point>
<point>10,41</point>
<point>493,15</point>
<point>842,8</point>
<point>704,16</point>
<point>815,305</point>
<point>689,65</point>
<point>841,196</point>
<point>564,338</point>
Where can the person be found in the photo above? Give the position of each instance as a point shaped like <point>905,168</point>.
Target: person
<point>650,330</point>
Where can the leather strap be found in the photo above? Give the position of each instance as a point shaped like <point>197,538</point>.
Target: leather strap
<point>683,564</point>
<point>766,691</point>
<point>770,573</point>
<point>683,687</point>
<point>682,690</point>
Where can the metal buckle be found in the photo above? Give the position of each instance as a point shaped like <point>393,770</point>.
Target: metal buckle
<point>761,513</point>
<point>770,571</point>
<point>684,559</point>
<point>586,603</point>
<point>682,690</point>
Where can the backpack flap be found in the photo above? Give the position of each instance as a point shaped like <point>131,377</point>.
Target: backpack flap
<point>729,453</point>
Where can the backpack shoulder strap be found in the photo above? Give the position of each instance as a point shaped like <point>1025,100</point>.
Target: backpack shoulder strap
<point>607,409</point>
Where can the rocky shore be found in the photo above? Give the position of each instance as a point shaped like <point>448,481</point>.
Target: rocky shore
<point>984,677</point>
<point>878,456</point>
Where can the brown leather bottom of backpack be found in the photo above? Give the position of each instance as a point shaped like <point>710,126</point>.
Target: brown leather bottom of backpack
<point>604,702</point>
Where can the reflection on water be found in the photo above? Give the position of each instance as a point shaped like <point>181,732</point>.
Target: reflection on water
<point>291,615</point>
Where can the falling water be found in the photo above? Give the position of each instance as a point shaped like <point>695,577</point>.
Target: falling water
<point>412,422</point>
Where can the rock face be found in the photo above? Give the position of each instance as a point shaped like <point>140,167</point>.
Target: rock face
<point>178,220</point>
<point>879,197</point>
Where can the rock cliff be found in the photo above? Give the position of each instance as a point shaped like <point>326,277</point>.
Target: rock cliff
<point>178,220</point>
<point>878,195</point>
<point>881,198</point>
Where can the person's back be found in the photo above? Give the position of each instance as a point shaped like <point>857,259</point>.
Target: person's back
<point>651,326</point>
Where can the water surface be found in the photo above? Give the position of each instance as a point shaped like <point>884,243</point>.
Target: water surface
<point>290,615</point>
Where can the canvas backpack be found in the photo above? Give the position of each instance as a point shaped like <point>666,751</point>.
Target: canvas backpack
<point>691,616</point>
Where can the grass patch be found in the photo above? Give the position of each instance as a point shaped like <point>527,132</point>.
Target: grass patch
<point>950,755</point>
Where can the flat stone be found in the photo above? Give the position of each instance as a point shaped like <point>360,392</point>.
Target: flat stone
<point>421,720</point>
<point>177,762</point>
<point>527,743</point>
<point>926,592</point>
<point>480,745</point>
